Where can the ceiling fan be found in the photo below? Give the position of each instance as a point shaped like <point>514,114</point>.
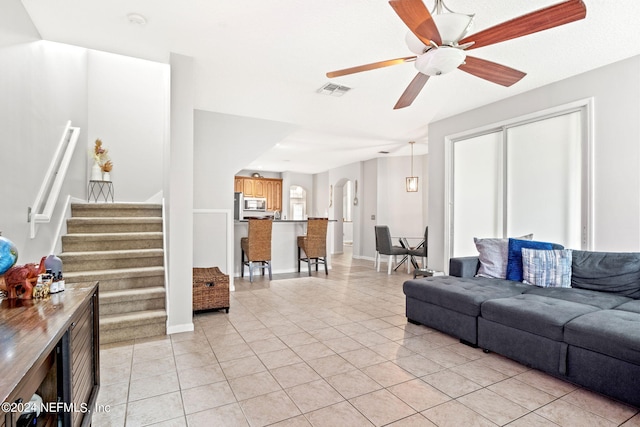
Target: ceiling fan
<point>439,42</point>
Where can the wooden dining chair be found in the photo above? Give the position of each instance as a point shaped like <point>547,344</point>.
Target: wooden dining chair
<point>314,244</point>
<point>256,247</point>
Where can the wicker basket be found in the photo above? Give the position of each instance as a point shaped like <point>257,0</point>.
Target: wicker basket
<point>210,289</point>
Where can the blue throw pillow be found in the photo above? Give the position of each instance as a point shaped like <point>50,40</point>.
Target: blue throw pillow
<point>514,260</point>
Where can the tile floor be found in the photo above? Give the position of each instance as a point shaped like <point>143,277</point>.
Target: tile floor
<point>331,351</point>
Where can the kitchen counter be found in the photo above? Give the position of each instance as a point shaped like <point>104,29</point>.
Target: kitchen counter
<point>284,246</point>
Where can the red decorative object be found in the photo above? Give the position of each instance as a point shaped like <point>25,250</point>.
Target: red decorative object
<point>23,278</point>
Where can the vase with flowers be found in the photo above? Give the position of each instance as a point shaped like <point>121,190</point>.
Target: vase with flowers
<point>102,165</point>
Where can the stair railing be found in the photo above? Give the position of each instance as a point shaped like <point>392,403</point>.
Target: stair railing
<point>53,179</point>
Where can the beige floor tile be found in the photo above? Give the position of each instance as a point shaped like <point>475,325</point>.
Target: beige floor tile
<point>153,386</point>
<point>190,346</point>
<point>566,415</point>
<point>267,345</point>
<point>232,351</point>
<point>276,359</point>
<point>292,375</point>
<point>113,394</point>
<point>479,373</point>
<point>223,416</point>
<point>417,420</point>
<point>300,338</point>
<point>445,357</point>
<point>269,408</point>
<point>501,364</point>
<point>362,357</point>
<point>633,422</point>
<point>353,383</point>
<point>546,383</point>
<point>312,351</point>
<point>493,406</point>
<point>455,414</point>
<point>521,393</point>
<point>155,409</point>
<point>392,350</point>
<point>240,367</point>
<point>418,394</point>
<point>254,385</point>
<point>382,407</point>
<point>600,405</point>
<point>115,373</point>
<point>299,421</point>
<point>114,417</point>
<point>195,377</point>
<point>394,333</point>
<point>257,335</point>
<point>152,368</point>
<point>451,383</point>
<point>387,374</point>
<point>195,360</point>
<point>532,420</point>
<point>418,365</point>
<point>330,365</point>
<point>207,397</point>
<point>326,334</point>
<point>314,395</point>
<point>342,344</point>
<point>340,414</point>
<point>174,422</point>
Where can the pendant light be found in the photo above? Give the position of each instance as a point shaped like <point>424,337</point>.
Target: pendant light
<point>412,181</point>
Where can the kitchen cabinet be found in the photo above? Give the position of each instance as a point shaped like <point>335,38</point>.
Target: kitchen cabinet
<point>269,188</point>
<point>55,353</point>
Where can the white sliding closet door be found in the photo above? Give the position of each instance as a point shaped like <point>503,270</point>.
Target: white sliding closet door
<point>522,178</point>
<point>477,198</point>
<point>544,180</point>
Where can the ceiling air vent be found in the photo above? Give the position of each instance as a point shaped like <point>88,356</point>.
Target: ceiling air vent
<point>333,89</point>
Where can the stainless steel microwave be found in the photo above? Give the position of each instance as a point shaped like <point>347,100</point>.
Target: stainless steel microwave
<point>256,204</point>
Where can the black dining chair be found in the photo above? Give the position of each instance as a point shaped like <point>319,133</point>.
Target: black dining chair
<point>385,247</point>
<point>419,251</point>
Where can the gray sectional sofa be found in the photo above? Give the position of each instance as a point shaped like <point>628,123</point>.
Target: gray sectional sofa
<point>588,334</point>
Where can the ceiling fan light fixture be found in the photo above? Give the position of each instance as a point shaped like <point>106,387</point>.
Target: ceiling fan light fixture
<point>440,61</point>
<point>453,27</point>
<point>414,44</point>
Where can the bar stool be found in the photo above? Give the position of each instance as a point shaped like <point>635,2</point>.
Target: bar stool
<point>314,244</point>
<point>256,247</point>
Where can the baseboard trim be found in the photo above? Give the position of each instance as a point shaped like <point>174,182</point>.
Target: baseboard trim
<point>176,329</point>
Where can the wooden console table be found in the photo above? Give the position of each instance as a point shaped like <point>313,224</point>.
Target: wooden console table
<point>51,347</point>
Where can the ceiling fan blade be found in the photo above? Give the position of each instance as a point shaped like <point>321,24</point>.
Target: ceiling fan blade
<point>368,67</point>
<point>416,16</point>
<point>411,91</point>
<point>543,19</point>
<point>491,71</point>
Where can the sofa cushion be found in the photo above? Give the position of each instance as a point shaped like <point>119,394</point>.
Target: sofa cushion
<point>612,332</point>
<point>536,314</point>
<point>461,294</point>
<point>514,258</point>
<point>633,306</point>
<point>612,272</point>
<point>493,254</point>
<point>599,300</point>
<point>546,269</point>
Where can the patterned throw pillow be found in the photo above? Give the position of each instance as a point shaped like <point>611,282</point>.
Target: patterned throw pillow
<point>493,254</point>
<point>547,268</point>
<point>514,258</point>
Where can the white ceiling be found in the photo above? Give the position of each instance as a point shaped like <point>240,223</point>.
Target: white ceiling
<point>267,59</point>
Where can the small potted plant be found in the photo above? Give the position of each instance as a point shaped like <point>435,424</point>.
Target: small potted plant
<point>106,170</point>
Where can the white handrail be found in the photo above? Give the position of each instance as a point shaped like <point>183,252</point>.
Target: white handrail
<point>57,172</point>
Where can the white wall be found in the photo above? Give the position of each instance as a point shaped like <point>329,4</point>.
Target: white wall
<point>43,85</point>
<point>223,145</point>
<point>369,207</point>
<point>616,93</point>
<point>127,105</point>
<point>400,210</point>
<point>15,25</point>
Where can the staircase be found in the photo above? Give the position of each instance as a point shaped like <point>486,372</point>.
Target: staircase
<point>121,246</point>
